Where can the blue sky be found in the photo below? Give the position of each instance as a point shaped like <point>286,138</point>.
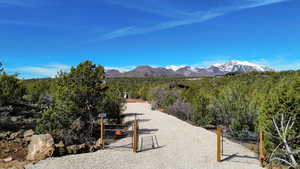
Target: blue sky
<point>39,37</point>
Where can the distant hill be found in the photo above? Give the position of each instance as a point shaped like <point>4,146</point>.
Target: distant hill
<point>232,67</point>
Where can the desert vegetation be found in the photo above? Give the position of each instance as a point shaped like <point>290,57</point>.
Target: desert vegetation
<point>67,106</point>
<point>242,104</point>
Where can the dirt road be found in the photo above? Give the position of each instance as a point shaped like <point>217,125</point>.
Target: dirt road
<point>181,146</point>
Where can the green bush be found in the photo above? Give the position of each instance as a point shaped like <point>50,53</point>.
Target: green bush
<point>78,99</point>
<point>11,89</point>
<point>283,98</point>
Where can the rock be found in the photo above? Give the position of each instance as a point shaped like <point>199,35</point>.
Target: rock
<point>28,133</point>
<point>5,135</point>
<point>8,159</point>
<point>19,167</point>
<point>6,150</point>
<point>76,149</point>
<point>40,147</point>
<point>60,144</point>
<point>98,144</point>
<point>72,149</point>
<point>15,135</point>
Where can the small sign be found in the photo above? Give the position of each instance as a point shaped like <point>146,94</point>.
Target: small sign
<point>102,115</point>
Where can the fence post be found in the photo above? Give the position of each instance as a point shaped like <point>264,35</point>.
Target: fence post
<point>102,132</point>
<point>261,147</point>
<point>219,133</point>
<point>132,138</point>
<point>135,137</point>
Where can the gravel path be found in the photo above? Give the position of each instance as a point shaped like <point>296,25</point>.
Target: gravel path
<point>181,146</point>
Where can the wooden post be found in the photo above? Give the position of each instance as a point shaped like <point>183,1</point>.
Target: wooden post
<point>261,147</point>
<point>219,133</point>
<point>135,136</point>
<point>102,132</point>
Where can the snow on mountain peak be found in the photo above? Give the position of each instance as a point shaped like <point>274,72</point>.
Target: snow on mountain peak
<point>174,67</point>
<point>236,65</point>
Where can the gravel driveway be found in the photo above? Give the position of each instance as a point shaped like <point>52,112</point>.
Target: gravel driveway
<point>181,146</point>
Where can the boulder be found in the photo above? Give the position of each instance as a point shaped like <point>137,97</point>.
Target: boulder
<point>28,133</point>
<point>8,159</point>
<point>15,135</point>
<point>40,147</point>
<point>5,135</point>
<point>76,149</point>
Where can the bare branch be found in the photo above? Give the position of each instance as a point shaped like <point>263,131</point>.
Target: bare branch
<point>287,125</point>
<point>277,129</point>
<point>273,152</point>
<point>281,160</point>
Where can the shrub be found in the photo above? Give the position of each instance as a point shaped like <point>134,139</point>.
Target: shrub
<point>202,115</point>
<point>11,89</point>
<point>80,96</point>
<point>181,110</point>
<point>235,109</point>
<point>162,98</point>
<point>284,97</point>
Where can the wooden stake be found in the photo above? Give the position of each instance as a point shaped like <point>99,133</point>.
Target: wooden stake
<point>219,133</point>
<point>261,147</point>
<point>135,136</point>
<point>102,132</point>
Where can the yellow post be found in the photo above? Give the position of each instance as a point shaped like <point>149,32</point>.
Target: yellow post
<point>102,132</point>
<point>219,132</point>
<point>261,147</point>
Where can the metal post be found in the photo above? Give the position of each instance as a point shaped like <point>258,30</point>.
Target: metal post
<point>219,132</point>
<point>261,147</point>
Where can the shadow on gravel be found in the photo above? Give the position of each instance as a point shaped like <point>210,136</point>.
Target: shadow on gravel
<point>149,143</point>
<point>148,149</point>
<point>143,120</point>
<point>238,158</point>
<point>147,131</point>
<point>125,147</point>
<point>131,114</point>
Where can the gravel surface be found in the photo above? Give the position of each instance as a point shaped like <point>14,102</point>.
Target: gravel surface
<point>181,146</point>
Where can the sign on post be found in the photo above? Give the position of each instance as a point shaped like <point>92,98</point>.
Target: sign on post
<point>102,115</point>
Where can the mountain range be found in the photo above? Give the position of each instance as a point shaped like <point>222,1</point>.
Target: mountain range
<point>230,67</point>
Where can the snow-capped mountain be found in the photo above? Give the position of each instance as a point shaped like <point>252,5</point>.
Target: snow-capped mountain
<point>234,66</point>
<point>241,66</point>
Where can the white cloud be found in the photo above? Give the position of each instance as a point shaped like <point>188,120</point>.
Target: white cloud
<point>182,18</point>
<point>49,70</point>
<point>132,30</point>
